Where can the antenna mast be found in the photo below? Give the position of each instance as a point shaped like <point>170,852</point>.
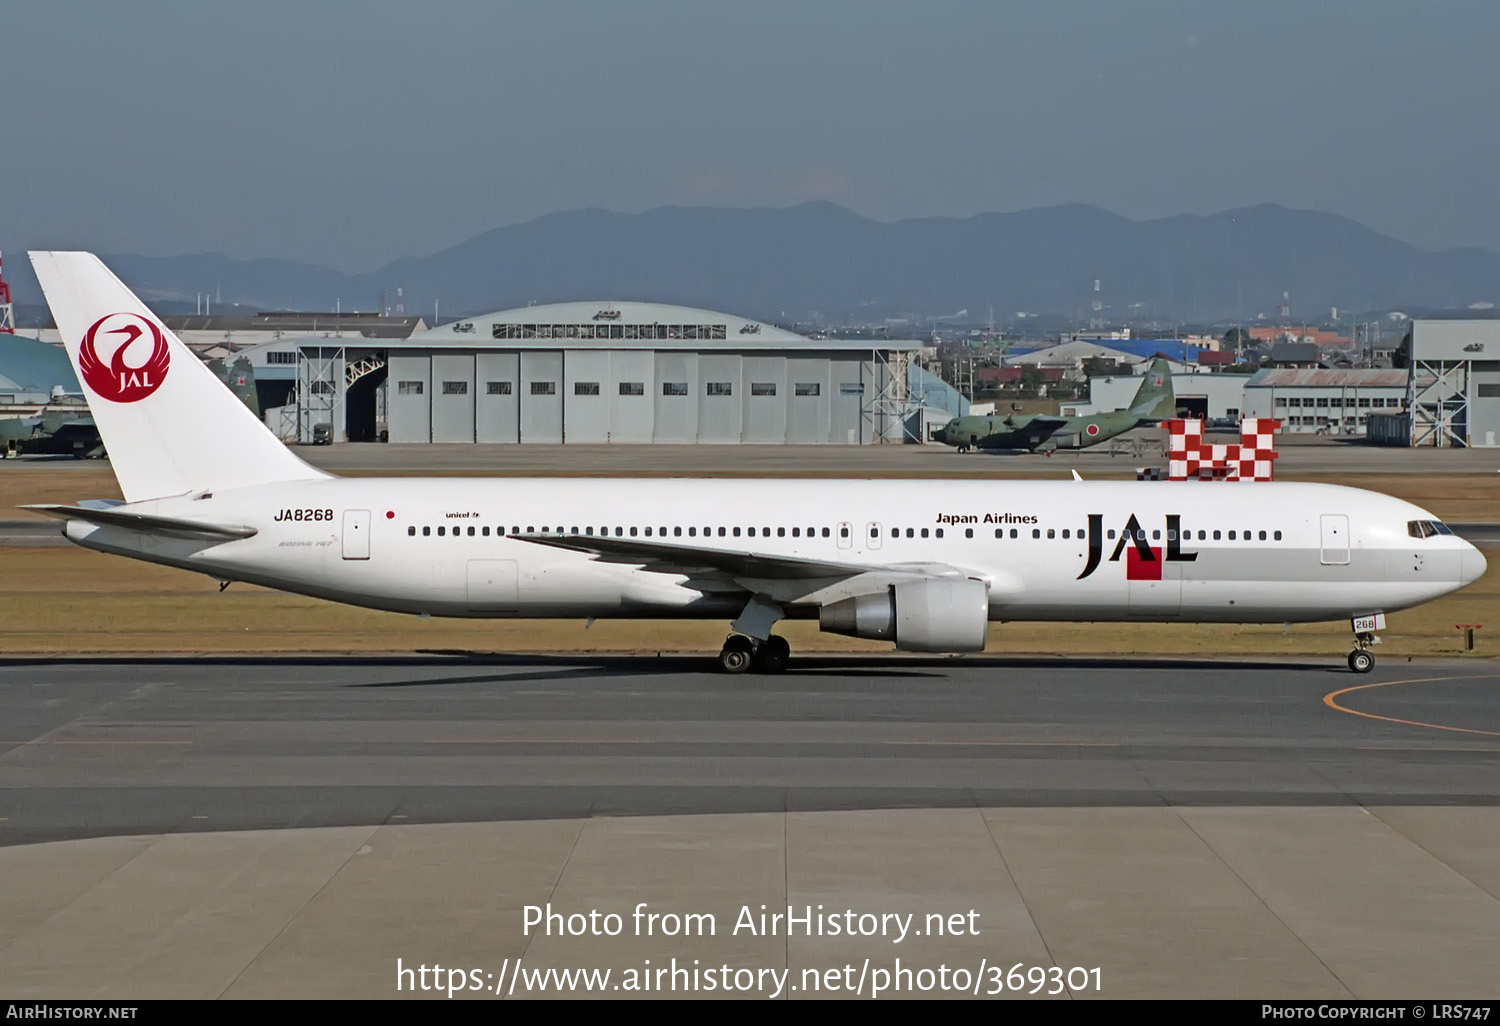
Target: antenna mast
<point>7,314</point>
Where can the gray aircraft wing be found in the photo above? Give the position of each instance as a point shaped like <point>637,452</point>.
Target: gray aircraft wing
<point>697,560</point>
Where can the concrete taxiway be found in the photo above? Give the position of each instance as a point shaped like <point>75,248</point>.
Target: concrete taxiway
<point>292,827</point>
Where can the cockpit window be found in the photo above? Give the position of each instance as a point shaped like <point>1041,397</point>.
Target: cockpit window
<point>1426,528</point>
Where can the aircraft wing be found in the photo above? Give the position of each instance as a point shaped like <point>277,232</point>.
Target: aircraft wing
<point>146,523</point>
<point>694,560</point>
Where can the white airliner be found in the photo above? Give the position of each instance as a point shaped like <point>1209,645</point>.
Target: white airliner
<point>927,565</point>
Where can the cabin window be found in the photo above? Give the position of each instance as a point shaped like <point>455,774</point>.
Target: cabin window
<point>485,531</point>
<point>471,531</point>
<point>1140,535</point>
<point>1202,535</point>
<point>1231,536</point>
<point>924,532</point>
<point>911,532</point>
<point>968,532</point>
<point>1015,533</point>
<point>1216,536</point>
<point>749,530</point>
<point>411,531</point>
<point>632,531</point>
<point>1171,535</point>
<point>692,532</point>
<point>1277,536</point>
<point>826,533</point>
<point>426,532</point>
<point>1051,533</point>
<point>844,532</point>
<point>999,532</point>
<point>1156,536</point>
<point>1110,534</point>
<point>1262,536</point>
<point>781,532</point>
<point>796,532</point>
<point>1036,532</point>
<point>939,532</point>
<point>442,530</point>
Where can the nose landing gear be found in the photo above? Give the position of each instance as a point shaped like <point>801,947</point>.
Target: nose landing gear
<point>1361,660</point>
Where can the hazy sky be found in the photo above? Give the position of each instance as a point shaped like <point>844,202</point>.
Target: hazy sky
<point>350,133</point>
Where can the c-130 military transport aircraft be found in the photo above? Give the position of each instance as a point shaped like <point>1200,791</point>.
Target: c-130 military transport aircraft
<point>927,565</point>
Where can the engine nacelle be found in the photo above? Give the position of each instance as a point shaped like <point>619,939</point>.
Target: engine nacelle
<point>938,615</point>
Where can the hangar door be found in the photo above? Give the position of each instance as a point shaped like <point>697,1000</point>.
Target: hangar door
<point>541,397</point>
<point>453,397</point>
<point>497,413</point>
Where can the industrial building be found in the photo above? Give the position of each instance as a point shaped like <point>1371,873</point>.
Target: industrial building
<point>610,373</point>
<point>1305,401</point>
<point>1335,402</point>
<point>1202,395</point>
<point>1453,381</point>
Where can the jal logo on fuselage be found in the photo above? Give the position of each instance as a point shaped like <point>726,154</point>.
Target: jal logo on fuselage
<point>1143,561</point>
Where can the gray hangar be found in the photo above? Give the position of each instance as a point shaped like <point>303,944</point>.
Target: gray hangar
<point>609,373</point>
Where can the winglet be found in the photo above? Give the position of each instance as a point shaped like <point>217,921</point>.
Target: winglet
<point>1077,476</point>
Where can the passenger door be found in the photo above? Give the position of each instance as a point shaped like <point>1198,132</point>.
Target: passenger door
<point>356,534</point>
<point>872,536</point>
<point>1335,547</point>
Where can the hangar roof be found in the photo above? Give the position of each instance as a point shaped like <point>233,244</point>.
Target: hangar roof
<point>30,365</point>
<point>631,325</point>
<point>1286,377</point>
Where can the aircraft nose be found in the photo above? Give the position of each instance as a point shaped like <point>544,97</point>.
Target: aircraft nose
<point>1474,565</point>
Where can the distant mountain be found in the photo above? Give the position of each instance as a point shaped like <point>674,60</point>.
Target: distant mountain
<point>818,257</point>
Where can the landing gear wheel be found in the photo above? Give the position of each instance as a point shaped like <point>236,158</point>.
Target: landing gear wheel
<point>771,655</point>
<point>736,655</point>
<point>1361,661</point>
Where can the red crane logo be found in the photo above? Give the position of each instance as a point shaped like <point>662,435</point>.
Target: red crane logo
<point>119,380</point>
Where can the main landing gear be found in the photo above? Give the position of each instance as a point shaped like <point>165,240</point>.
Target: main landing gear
<point>752,646</point>
<point>741,654</point>
<point>1361,660</point>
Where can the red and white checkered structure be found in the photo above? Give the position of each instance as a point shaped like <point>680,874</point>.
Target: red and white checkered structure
<point>1190,459</point>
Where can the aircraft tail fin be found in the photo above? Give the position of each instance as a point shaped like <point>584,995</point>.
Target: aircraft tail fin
<point>1154,399</point>
<point>169,424</point>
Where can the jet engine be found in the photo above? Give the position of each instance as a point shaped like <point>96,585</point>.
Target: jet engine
<point>936,615</point>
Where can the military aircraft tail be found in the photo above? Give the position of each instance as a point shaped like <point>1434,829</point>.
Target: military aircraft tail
<point>169,424</point>
<point>1154,399</point>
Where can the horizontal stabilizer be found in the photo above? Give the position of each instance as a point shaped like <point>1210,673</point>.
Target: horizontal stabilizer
<point>146,523</point>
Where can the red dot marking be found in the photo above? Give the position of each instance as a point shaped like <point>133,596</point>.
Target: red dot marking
<point>390,514</point>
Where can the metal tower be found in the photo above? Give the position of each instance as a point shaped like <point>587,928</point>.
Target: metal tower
<point>7,315</point>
